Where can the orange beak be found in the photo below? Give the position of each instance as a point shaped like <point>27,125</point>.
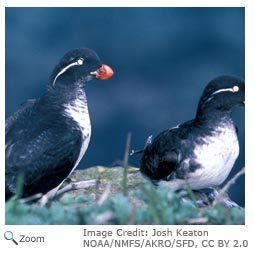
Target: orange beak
<point>103,73</point>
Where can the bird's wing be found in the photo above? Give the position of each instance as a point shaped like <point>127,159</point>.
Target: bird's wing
<point>44,161</point>
<point>162,158</point>
<point>24,107</point>
<point>45,154</point>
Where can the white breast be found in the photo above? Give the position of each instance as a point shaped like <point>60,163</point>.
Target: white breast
<point>216,157</point>
<point>78,111</point>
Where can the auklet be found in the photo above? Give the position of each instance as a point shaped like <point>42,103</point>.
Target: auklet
<point>47,137</point>
<point>200,152</point>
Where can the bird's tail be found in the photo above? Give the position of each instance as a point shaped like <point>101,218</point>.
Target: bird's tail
<point>141,151</point>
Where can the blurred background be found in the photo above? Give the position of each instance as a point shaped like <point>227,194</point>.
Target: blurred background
<point>162,59</point>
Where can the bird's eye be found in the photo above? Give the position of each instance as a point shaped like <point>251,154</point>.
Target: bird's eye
<point>80,61</point>
<point>235,88</point>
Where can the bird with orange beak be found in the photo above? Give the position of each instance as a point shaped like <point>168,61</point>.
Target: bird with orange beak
<point>47,137</point>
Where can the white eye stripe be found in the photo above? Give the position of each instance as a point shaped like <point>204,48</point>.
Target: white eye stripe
<point>234,89</point>
<point>78,62</point>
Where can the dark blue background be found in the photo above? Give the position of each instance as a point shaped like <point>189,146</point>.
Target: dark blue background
<point>162,58</point>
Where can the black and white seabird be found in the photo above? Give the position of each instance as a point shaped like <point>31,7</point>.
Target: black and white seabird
<point>47,137</point>
<point>201,151</point>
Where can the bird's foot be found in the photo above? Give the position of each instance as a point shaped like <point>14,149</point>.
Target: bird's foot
<point>215,196</point>
<point>209,197</point>
<point>49,196</point>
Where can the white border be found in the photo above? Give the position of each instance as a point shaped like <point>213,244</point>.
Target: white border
<point>72,235</point>
<point>249,114</point>
<point>129,3</point>
<point>2,109</point>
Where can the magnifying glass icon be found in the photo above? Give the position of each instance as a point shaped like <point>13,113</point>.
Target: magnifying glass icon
<point>8,235</point>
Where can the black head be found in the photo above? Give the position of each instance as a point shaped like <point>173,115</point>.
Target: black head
<point>222,93</point>
<point>77,67</point>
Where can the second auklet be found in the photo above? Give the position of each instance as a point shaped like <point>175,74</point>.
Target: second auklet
<point>200,152</point>
<point>47,137</point>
